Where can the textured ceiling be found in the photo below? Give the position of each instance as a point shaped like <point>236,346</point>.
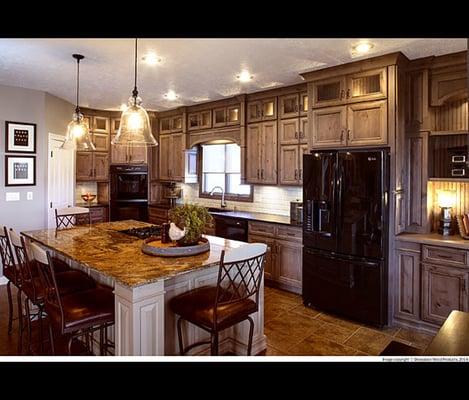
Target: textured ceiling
<point>198,70</point>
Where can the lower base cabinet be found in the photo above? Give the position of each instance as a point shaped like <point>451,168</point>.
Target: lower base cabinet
<point>284,259</point>
<point>97,214</point>
<point>158,215</point>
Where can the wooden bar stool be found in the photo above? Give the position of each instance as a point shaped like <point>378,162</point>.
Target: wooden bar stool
<point>10,271</point>
<point>231,301</point>
<point>69,281</point>
<point>75,314</point>
<point>67,217</point>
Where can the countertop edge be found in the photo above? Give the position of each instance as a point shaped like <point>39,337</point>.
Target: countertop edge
<point>432,239</point>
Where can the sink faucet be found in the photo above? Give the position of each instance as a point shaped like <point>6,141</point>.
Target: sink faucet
<point>223,202</point>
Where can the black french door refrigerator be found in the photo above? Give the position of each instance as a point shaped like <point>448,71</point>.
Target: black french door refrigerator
<point>345,233</point>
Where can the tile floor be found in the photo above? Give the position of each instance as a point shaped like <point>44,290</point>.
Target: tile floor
<point>291,329</point>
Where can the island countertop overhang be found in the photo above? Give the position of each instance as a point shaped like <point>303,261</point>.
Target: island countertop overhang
<point>112,254</point>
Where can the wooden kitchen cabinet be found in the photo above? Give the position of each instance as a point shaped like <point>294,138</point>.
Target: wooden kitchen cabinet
<point>97,215</point>
<point>262,110</point>
<point>328,127</point>
<point>367,123</point>
<point>225,116</point>
<point>92,166</point>
<point>448,85</point>
<point>171,124</point>
<point>199,120</point>
<point>289,131</point>
<point>128,154</point>
<point>291,139</point>
<point>261,143</point>
<point>328,92</point>
<point>284,258</point>
<point>293,105</point>
<point>100,141</point>
<point>444,289</point>
<point>158,215</point>
<point>171,157</point>
<point>101,124</point>
<point>289,164</point>
<point>115,124</point>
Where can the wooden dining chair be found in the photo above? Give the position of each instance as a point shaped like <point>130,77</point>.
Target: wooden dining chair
<point>234,298</point>
<point>67,217</point>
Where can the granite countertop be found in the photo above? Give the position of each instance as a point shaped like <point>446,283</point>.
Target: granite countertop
<point>257,216</point>
<point>436,239</point>
<point>102,248</point>
<point>86,205</point>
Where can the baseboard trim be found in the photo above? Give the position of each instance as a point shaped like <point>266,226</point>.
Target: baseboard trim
<point>3,280</point>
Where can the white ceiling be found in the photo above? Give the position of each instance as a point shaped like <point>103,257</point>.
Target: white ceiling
<point>198,70</point>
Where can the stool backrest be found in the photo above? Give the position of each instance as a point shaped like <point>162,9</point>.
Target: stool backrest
<point>240,274</point>
<point>45,265</point>
<point>24,264</point>
<point>66,217</point>
<point>6,252</point>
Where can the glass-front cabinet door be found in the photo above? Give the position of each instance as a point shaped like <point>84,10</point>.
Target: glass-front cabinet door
<point>254,111</point>
<point>328,92</point>
<point>304,103</point>
<point>176,124</point>
<point>219,117</point>
<point>269,108</point>
<point>289,106</point>
<point>368,85</point>
<point>165,125</point>
<point>232,115</point>
<point>193,121</point>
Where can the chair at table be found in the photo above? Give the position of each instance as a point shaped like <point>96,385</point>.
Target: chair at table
<point>234,298</point>
<point>10,271</point>
<point>67,217</point>
<point>75,314</point>
<point>69,281</point>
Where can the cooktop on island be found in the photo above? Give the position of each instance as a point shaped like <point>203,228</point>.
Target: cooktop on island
<point>143,233</point>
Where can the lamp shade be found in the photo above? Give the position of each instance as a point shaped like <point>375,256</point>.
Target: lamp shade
<point>446,198</point>
<point>78,134</point>
<point>135,128</point>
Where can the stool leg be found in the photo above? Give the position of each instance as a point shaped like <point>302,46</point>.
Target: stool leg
<point>251,331</point>
<point>51,337</point>
<point>20,324</point>
<point>214,344</point>
<point>41,329</point>
<point>10,307</point>
<point>181,345</point>
<point>101,341</point>
<point>69,345</point>
<point>28,324</point>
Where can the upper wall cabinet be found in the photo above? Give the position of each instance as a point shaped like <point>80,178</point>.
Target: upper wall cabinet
<point>171,124</point>
<point>293,105</point>
<point>449,85</point>
<point>361,86</point>
<point>199,120</point>
<point>101,124</point>
<point>262,110</point>
<point>224,116</point>
<point>115,124</point>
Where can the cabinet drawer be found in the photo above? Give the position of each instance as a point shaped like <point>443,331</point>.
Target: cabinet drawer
<point>158,213</point>
<point>261,228</point>
<point>445,256</point>
<point>289,233</point>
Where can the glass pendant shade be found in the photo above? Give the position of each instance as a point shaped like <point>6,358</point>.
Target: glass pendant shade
<point>135,128</point>
<point>78,134</point>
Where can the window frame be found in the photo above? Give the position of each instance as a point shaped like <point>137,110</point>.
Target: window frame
<point>217,195</point>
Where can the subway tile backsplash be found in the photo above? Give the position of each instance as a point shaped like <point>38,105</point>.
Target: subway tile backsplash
<point>267,199</point>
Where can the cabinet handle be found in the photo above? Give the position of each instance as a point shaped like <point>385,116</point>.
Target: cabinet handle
<point>258,174</point>
<point>348,134</point>
<point>342,135</point>
<point>301,107</point>
<point>262,173</point>
<point>296,174</point>
<point>342,94</point>
<point>464,285</point>
<point>94,172</point>
<point>301,175</point>
<point>296,135</point>
<point>348,93</point>
<point>302,135</point>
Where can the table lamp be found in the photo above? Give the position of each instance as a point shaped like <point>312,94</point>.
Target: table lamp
<point>446,201</point>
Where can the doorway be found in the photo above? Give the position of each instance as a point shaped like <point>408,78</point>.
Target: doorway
<point>61,177</point>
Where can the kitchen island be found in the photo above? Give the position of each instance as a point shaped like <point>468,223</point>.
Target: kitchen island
<point>143,286</point>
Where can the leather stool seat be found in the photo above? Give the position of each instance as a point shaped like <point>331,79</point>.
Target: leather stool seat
<point>68,283</point>
<point>84,309</point>
<point>197,306</point>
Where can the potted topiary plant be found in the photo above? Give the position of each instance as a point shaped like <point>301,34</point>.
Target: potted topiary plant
<point>194,219</point>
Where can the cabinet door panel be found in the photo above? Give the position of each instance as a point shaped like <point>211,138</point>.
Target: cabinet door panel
<point>269,266</point>
<point>219,117</point>
<point>444,289</point>
<point>165,149</point>
<point>165,125</point>
<point>177,157</point>
<point>304,104</point>
<point>329,127</point>
<point>254,111</point>
<point>253,153</point>
<point>407,299</point>
<point>289,131</point>
<point>368,85</point>
<point>289,263</point>
<point>101,166</point>
<point>232,115</point>
<point>304,149</point>
<point>137,155</point>
<point>269,108</point>
<point>115,124</point>
<point>269,153</point>
<point>367,123</point>
<point>101,141</point>
<point>289,170</point>
<point>289,106</point>
<point>328,92</point>
<point>304,130</point>
<point>84,166</point>
<point>101,124</point>
<point>176,123</point>
<point>119,154</point>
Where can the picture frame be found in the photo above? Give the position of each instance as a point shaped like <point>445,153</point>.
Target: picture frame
<point>20,137</point>
<point>20,170</point>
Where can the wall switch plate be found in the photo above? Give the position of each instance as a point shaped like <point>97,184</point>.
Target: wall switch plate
<point>29,195</point>
<point>12,196</point>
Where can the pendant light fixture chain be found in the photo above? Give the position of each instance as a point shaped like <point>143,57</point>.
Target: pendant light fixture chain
<point>78,57</point>
<point>135,91</point>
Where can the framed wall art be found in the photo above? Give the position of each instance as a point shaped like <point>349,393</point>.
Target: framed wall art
<point>20,170</point>
<point>20,137</point>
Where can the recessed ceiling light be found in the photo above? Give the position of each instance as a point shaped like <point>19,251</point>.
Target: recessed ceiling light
<point>363,47</point>
<point>244,76</point>
<point>151,58</point>
<point>171,95</point>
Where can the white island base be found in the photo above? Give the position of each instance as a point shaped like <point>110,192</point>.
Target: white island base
<point>145,325</point>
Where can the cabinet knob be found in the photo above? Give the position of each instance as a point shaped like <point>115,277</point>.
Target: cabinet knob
<point>296,174</point>
<point>348,93</point>
<point>300,174</point>
<point>342,94</point>
<point>258,174</point>
<point>296,135</point>
<point>342,135</point>
<point>262,173</point>
<point>348,134</point>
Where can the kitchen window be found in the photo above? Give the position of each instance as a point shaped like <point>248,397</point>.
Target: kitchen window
<point>221,166</point>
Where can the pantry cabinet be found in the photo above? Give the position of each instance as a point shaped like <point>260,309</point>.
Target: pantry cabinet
<point>261,162</point>
<point>171,157</point>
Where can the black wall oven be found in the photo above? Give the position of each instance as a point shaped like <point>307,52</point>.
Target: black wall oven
<point>129,192</point>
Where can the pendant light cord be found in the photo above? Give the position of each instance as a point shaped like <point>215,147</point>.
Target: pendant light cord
<point>77,109</point>
<point>135,91</point>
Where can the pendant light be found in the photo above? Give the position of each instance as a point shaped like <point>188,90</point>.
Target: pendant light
<point>134,128</point>
<point>78,131</point>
